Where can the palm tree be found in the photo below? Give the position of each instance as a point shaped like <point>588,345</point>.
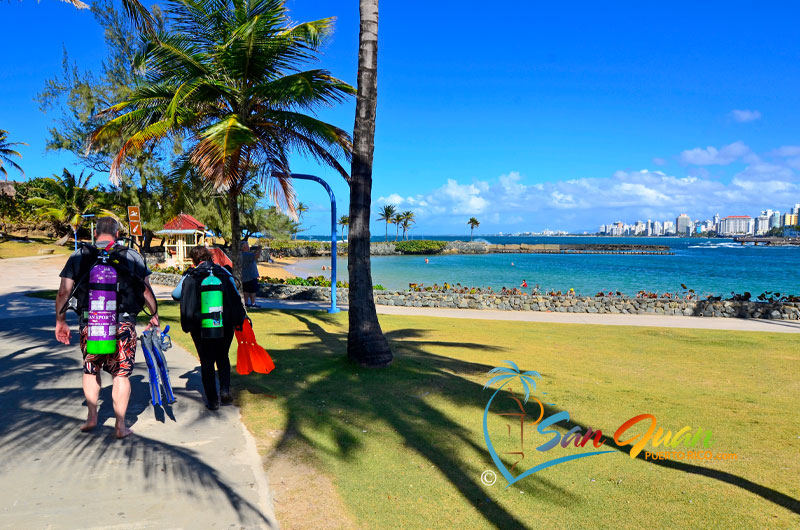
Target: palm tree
<point>227,77</point>
<point>301,208</point>
<point>473,224</point>
<point>344,221</point>
<point>6,153</point>
<point>397,220</point>
<point>136,11</point>
<point>407,219</point>
<point>366,344</point>
<point>65,199</point>
<point>386,213</point>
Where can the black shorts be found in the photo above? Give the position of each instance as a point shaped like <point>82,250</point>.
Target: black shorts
<point>250,286</point>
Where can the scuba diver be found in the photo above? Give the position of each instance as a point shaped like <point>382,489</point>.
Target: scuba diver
<point>108,286</point>
<point>211,308</point>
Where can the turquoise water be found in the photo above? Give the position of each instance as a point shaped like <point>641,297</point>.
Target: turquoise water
<point>716,266</point>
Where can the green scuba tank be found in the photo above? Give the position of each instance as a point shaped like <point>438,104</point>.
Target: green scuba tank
<point>211,308</point>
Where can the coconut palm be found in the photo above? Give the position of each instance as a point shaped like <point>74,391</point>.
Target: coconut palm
<point>366,344</point>
<point>136,11</point>
<point>386,213</point>
<point>65,199</point>
<point>344,221</point>
<point>473,224</point>
<point>397,220</point>
<point>301,208</point>
<point>407,219</point>
<point>227,77</point>
<point>6,153</point>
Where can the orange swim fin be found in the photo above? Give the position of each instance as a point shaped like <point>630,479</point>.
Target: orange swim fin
<point>250,356</point>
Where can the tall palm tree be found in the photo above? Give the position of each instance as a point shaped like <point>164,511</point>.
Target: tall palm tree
<point>227,77</point>
<point>386,213</point>
<point>473,224</point>
<point>6,153</point>
<point>366,344</point>
<point>65,199</point>
<point>397,220</point>
<point>407,219</point>
<point>136,11</point>
<point>344,221</point>
<point>301,208</point>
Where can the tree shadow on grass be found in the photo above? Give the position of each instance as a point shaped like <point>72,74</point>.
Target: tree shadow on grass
<point>322,392</point>
<point>39,396</point>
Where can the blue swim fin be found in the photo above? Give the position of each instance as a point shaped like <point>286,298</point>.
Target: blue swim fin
<point>155,391</point>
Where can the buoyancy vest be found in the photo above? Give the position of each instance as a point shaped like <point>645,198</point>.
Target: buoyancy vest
<point>130,287</point>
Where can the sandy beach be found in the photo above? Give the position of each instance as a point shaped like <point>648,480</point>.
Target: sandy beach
<point>278,268</point>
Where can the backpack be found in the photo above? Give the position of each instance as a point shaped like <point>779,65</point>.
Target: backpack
<point>233,313</point>
<point>130,288</point>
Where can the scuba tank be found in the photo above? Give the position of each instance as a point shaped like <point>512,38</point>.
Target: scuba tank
<point>211,308</point>
<point>102,336</point>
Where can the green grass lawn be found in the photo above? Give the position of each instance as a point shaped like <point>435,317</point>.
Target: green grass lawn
<point>18,249</point>
<point>404,446</point>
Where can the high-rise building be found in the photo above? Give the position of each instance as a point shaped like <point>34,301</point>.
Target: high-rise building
<point>762,223</point>
<point>775,220</point>
<point>735,225</point>
<point>658,229</point>
<point>683,224</point>
<point>796,209</point>
<point>789,219</point>
<point>669,228</point>
<point>716,222</point>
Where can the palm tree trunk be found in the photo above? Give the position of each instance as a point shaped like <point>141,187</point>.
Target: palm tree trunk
<point>236,232</point>
<point>366,344</point>
<point>387,231</point>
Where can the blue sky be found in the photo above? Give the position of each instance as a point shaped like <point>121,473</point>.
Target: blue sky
<point>525,115</point>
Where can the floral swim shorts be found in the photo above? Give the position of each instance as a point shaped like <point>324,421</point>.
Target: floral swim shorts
<point>119,364</point>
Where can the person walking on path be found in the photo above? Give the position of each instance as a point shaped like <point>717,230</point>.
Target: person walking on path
<point>212,351</point>
<point>250,275</point>
<point>133,293</point>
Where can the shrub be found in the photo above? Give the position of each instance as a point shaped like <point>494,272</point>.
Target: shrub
<point>422,246</point>
<point>311,281</point>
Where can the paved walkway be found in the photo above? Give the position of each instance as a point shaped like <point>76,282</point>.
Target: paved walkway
<point>662,321</point>
<point>184,467</point>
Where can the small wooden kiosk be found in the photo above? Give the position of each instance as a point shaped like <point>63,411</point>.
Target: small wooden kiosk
<point>180,234</point>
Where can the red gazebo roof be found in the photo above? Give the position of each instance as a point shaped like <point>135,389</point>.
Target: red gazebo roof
<point>184,222</point>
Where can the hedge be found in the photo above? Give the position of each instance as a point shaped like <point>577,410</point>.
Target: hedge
<point>421,246</point>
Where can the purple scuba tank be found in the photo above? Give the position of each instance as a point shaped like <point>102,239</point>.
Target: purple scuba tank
<point>102,336</point>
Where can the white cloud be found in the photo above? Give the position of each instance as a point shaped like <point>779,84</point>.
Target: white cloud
<point>786,151</point>
<point>507,203</point>
<point>744,116</point>
<point>659,161</point>
<point>713,156</point>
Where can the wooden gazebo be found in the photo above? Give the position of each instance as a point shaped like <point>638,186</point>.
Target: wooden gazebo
<point>180,234</point>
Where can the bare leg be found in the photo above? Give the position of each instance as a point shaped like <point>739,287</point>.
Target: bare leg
<point>91,390</point>
<point>120,393</point>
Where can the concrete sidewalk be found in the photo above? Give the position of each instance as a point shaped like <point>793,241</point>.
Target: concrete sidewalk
<point>660,321</point>
<point>184,467</point>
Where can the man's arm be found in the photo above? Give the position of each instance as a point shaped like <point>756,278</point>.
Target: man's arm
<point>63,333</point>
<point>152,304</point>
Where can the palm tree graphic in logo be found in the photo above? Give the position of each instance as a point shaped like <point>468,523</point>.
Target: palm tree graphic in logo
<point>528,383</point>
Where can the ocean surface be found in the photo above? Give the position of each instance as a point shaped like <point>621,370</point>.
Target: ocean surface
<point>709,266</point>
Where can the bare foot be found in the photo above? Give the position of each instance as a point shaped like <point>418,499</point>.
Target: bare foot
<point>123,433</point>
<point>89,425</point>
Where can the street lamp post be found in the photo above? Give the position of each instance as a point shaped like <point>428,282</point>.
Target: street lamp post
<point>301,176</point>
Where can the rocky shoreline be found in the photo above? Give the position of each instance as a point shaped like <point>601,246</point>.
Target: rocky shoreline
<point>528,302</point>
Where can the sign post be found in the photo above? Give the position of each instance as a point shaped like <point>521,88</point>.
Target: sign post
<point>134,221</point>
